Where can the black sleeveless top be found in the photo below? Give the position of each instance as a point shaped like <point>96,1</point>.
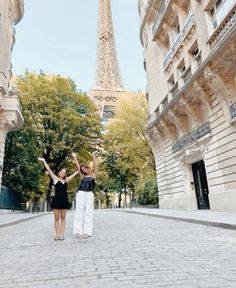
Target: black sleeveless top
<point>87,184</point>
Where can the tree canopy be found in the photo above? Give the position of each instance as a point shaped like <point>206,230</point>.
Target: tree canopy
<point>58,120</point>
<point>128,158</point>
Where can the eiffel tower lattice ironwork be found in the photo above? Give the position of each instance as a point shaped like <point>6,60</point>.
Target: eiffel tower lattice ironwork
<point>108,84</point>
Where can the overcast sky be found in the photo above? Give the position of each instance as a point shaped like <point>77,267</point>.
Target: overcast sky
<point>59,36</point>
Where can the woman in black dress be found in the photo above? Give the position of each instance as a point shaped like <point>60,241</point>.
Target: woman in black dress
<point>60,202</point>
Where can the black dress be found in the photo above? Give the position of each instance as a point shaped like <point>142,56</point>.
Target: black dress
<point>60,199</point>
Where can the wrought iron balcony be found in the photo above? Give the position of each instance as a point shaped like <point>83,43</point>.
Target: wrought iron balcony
<point>233,111</point>
<point>174,89</point>
<point>157,111</point>
<point>171,53</point>
<point>159,17</point>
<point>192,137</point>
<point>167,58</point>
<point>186,74</point>
<point>190,22</point>
<point>165,102</point>
<point>198,57</point>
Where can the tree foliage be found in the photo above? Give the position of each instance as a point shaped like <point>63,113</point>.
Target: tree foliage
<point>147,191</point>
<point>58,120</point>
<point>128,158</point>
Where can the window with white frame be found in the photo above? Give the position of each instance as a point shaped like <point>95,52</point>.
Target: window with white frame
<point>220,10</point>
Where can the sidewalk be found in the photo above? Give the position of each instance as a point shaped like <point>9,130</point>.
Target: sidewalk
<point>18,217</point>
<point>204,217</point>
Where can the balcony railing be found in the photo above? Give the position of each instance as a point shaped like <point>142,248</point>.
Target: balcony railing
<point>165,102</point>
<point>176,44</point>
<point>224,28</point>
<point>167,58</point>
<point>191,137</point>
<point>179,40</point>
<point>172,50</point>
<point>198,57</point>
<point>157,111</point>
<point>159,17</point>
<point>233,111</point>
<point>186,74</point>
<point>146,10</point>
<point>174,89</point>
<point>190,22</point>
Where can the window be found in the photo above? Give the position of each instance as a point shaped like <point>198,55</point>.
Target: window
<point>195,52</point>
<point>181,67</point>
<point>214,11</point>
<point>218,3</point>
<point>177,28</point>
<point>171,81</point>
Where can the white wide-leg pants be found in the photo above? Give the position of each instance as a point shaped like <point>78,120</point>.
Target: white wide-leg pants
<point>83,217</point>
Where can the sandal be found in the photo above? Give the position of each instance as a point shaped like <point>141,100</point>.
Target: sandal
<point>62,238</point>
<point>57,238</point>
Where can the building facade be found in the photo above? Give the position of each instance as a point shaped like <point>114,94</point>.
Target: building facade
<point>11,12</point>
<point>190,60</point>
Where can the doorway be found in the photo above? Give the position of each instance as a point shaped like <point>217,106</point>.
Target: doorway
<point>201,186</point>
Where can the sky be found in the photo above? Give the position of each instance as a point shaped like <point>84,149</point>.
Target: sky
<point>59,36</point>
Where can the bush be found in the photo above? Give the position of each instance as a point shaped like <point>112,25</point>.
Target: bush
<point>147,192</point>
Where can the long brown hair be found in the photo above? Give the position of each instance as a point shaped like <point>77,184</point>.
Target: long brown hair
<point>83,166</point>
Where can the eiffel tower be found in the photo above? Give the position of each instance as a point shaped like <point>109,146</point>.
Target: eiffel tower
<point>108,84</point>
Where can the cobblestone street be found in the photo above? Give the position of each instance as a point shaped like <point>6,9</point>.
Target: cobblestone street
<point>127,250</point>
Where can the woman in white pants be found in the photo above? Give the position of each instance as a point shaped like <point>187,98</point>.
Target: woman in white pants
<point>83,217</point>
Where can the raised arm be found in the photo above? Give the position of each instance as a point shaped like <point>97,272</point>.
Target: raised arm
<point>76,163</point>
<point>94,165</point>
<point>71,176</point>
<point>52,175</point>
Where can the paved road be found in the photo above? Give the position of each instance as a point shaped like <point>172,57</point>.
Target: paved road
<point>127,250</point>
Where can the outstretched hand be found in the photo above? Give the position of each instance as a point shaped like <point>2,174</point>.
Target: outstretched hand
<point>73,154</point>
<point>41,159</point>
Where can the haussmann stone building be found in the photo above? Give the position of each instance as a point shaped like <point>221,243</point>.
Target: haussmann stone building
<point>190,60</point>
<point>11,12</point>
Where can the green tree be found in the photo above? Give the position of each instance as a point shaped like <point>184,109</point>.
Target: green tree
<point>58,120</point>
<point>147,191</point>
<point>127,130</point>
<point>129,159</point>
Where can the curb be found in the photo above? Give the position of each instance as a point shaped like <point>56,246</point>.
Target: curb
<point>14,222</point>
<point>196,221</point>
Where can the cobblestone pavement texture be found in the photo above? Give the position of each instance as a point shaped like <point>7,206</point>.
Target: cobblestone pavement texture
<point>11,218</point>
<point>126,250</point>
